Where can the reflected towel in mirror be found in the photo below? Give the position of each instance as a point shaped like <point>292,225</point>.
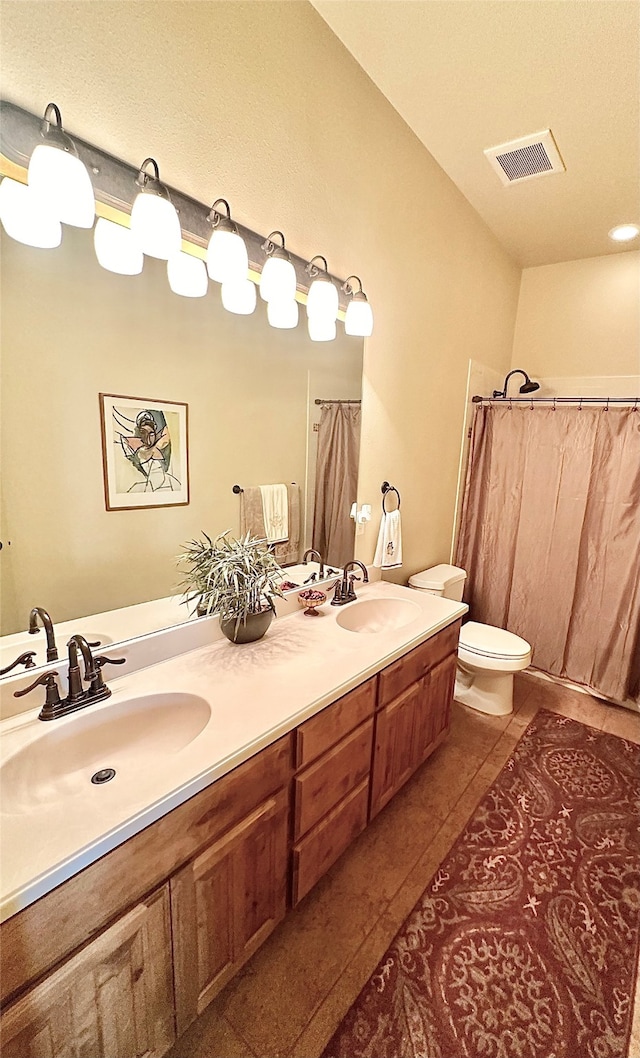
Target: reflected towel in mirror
<point>275,512</point>
<point>252,521</point>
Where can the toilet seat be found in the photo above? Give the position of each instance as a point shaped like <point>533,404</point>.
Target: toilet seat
<point>487,641</point>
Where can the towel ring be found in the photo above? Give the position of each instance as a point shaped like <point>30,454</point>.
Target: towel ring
<point>386,488</point>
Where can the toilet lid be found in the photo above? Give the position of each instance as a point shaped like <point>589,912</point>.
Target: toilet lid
<point>492,642</point>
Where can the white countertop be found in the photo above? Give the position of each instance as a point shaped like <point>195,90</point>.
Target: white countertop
<point>55,822</point>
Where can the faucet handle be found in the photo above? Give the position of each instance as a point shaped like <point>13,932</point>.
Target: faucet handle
<point>102,660</point>
<point>52,699</point>
<point>97,681</point>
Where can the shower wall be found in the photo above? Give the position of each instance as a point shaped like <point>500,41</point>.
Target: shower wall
<point>580,318</point>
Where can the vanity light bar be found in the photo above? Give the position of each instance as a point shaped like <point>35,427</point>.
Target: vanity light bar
<point>114,188</point>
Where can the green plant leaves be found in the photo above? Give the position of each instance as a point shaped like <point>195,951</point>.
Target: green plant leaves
<point>229,576</point>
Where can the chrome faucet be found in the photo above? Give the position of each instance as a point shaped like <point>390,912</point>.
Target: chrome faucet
<point>77,696</point>
<point>345,591</point>
<point>47,624</point>
<point>312,551</point>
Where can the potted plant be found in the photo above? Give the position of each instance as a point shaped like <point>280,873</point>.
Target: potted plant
<point>237,579</point>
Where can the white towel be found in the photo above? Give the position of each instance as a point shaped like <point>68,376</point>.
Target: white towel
<point>389,548</point>
<point>275,509</point>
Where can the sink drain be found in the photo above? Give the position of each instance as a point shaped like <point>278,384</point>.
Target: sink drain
<point>104,775</point>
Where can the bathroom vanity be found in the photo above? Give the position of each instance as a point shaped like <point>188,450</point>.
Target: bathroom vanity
<point>118,947</point>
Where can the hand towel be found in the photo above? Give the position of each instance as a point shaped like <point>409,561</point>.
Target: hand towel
<point>389,548</point>
<point>252,521</point>
<point>275,510</point>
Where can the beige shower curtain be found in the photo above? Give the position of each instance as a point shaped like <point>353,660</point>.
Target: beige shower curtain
<point>550,537</point>
<point>336,481</point>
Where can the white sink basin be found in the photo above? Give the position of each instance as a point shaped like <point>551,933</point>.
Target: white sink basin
<point>132,737</point>
<point>377,615</point>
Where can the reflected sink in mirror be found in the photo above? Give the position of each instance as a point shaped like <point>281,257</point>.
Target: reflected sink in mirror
<point>301,574</point>
<point>130,736</point>
<point>12,646</point>
<point>377,615</point>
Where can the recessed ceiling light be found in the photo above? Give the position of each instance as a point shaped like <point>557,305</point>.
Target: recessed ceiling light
<point>624,232</point>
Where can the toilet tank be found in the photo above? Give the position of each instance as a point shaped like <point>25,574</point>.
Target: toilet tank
<point>444,580</point>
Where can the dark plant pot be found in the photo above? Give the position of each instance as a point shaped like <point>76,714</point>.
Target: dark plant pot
<point>255,626</point>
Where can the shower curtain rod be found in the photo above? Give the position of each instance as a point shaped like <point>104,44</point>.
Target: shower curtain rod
<point>327,400</point>
<point>555,400</point>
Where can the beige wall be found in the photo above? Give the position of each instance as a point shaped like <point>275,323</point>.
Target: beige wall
<point>261,103</point>
<point>580,317</point>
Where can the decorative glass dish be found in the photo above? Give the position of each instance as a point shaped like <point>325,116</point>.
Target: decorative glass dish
<point>312,598</point>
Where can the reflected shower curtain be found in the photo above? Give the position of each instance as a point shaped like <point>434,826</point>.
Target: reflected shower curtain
<point>336,482</point>
<point>550,537</point>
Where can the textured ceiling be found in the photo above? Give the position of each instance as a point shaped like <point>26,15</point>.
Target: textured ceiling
<point>470,74</point>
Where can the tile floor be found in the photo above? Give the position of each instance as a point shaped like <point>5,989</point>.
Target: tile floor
<point>290,997</point>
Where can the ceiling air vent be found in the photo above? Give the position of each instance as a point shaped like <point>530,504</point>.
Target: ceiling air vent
<point>526,158</point>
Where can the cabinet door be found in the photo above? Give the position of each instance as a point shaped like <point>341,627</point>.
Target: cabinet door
<point>225,903</point>
<point>432,716</point>
<point>394,752</point>
<point>112,1000</point>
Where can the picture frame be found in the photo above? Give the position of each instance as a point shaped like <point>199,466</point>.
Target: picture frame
<point>145,457</point>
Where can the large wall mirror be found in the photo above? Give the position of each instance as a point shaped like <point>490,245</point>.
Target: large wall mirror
<point>70,331</point>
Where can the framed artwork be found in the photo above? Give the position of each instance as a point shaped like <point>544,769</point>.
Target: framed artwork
<point>144,452</point>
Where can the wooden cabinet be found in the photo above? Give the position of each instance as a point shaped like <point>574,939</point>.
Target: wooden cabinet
<point>99,969</point>
<point>114,999</point>
<point>55,926</point>
<point>226,902</point>
<point>414,700</point>
<point>433,715</point>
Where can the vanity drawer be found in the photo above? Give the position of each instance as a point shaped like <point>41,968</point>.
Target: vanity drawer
<point>323,784</point>
<point>412,667</point>
<point>322,731</point>
<point>315,854</point>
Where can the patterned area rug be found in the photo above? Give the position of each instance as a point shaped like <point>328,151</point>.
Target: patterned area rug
<point>525,943</point>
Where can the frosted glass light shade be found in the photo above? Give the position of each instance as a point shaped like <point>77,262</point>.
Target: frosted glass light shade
<point>321,329</point>
<point>115,249</point>
<point>61,181</point>
<point>155,226</point>
<point>187,275</point>
<point>322,299</point>
<point>239,297</point>
<point>25,218</point>
<point>358,318</point>
<point>283,314</point>
<point>227,258</point>
<point>278,280</point>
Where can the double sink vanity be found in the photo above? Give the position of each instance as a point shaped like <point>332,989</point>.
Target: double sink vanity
<point>241,773</point>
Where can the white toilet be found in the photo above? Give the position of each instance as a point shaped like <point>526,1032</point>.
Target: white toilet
<point>487,656</point>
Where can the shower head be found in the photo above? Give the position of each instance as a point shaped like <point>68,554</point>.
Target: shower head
<point>527,386</point>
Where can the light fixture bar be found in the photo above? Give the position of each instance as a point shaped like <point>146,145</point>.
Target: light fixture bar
<point>114,186</point>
